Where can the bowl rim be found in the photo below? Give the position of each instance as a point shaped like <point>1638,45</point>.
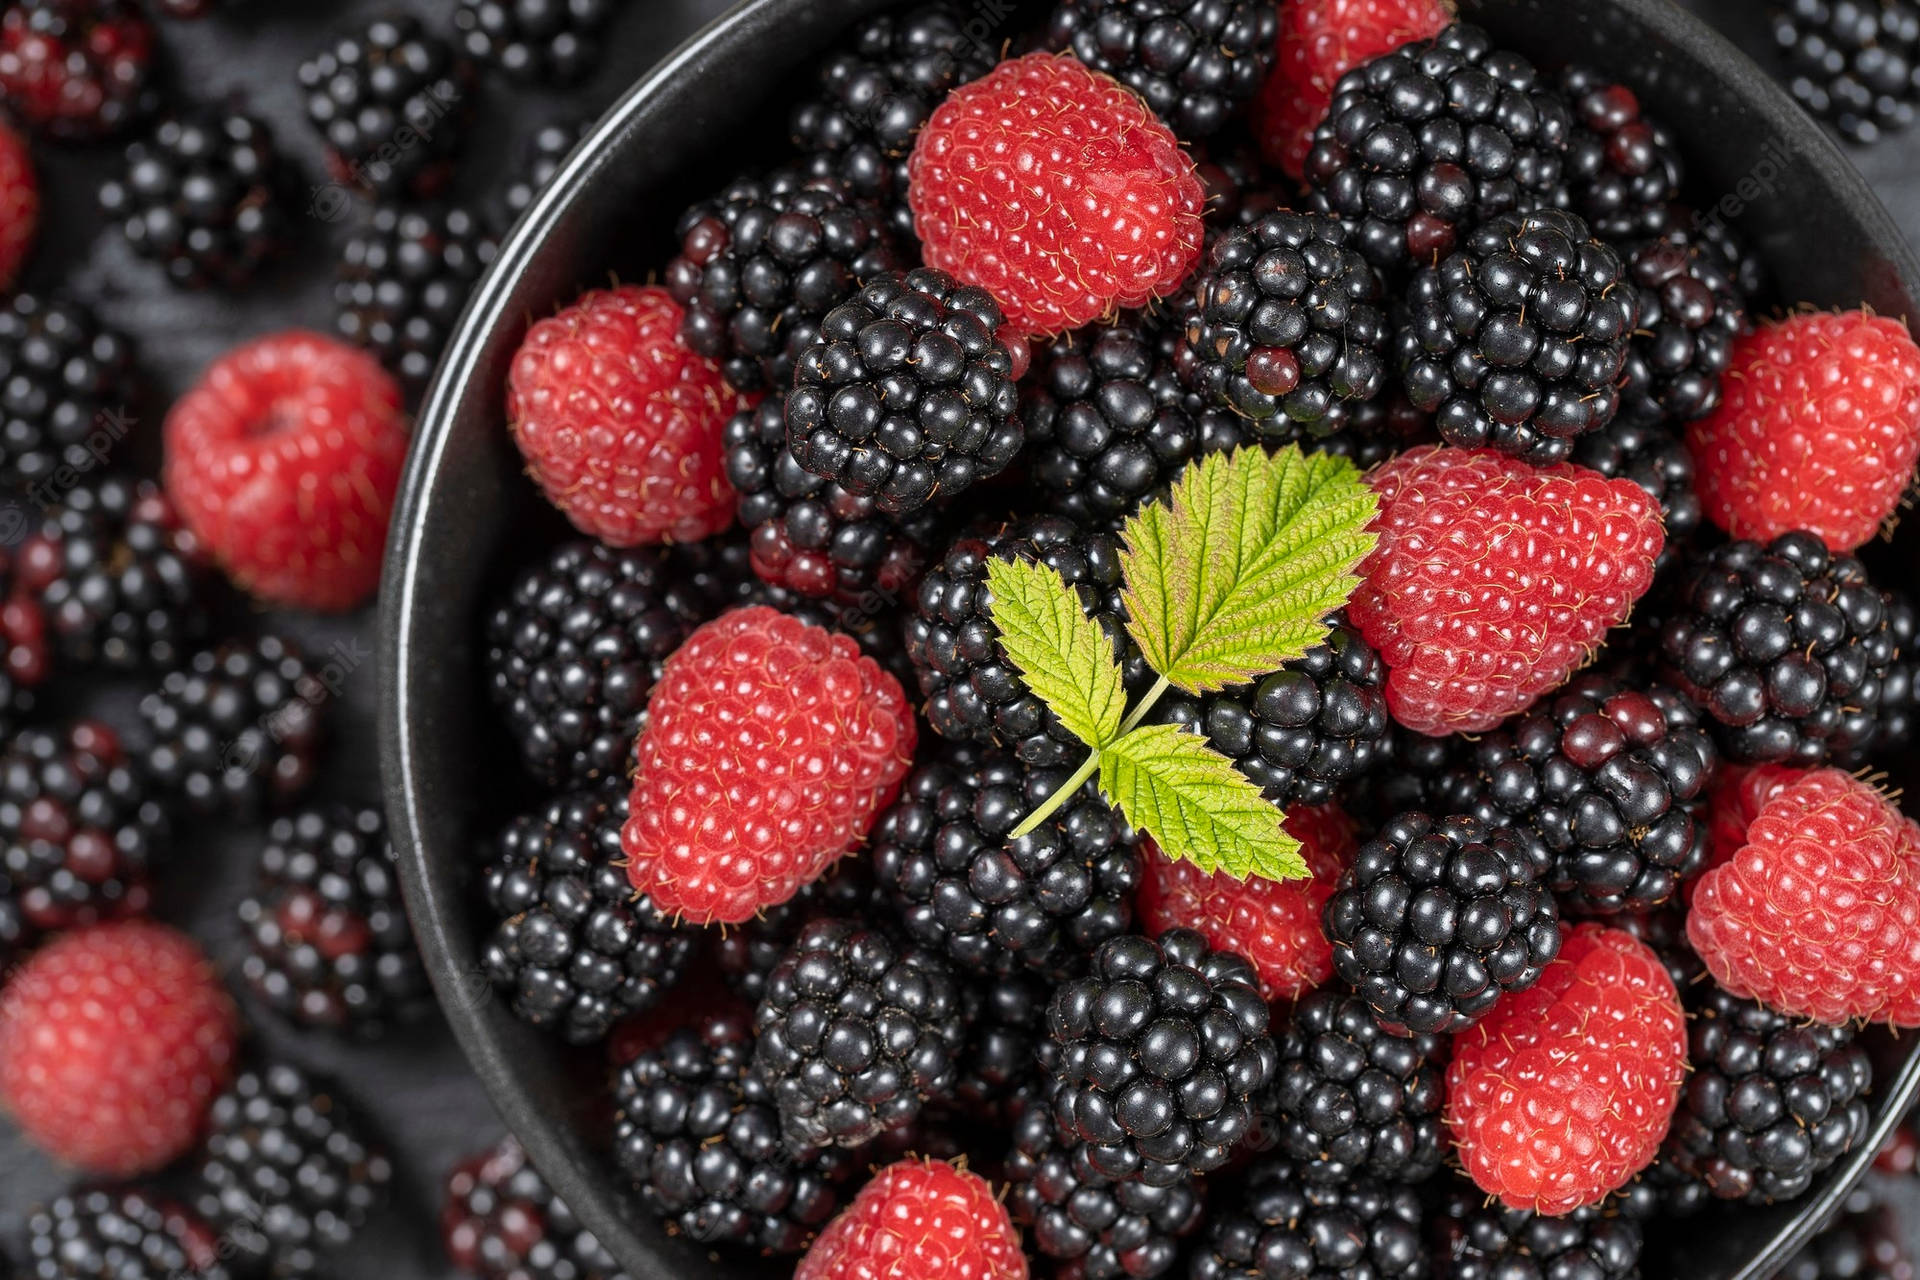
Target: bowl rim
<point>590,1193</point>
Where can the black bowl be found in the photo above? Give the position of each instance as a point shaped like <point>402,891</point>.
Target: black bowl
<point>687,125</point>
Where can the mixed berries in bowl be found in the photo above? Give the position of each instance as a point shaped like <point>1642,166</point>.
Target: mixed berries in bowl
<point>1225,640</point>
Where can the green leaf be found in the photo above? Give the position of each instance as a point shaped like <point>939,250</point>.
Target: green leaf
<point>1066,658</point>
<point>1196,805</point>
<point>1236,572</point>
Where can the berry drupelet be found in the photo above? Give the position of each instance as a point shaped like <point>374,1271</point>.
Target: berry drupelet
<point>1770,1101</point>
<point>1692,307</point>
<point>1517,340</point>
<point>1435,138</point>
<point>573,651</point>
<point>1855,63</point>
<point>1786,648</point>
<point>1196,62</point>
<point>540,159</point>
<point>573,946</point>
<point>1282,1227</point>
<point>120,1235</point>
<point>402,281</point>
<point>555,42</point>
<point>389,80</point>
<point>1006,1027</point>
<point>1474,1240</point>
<point>203,198</point>
<point>1162,1052</point>
<point>330,943</point>
<point>500,1221</point>
<point>763,262</point>
<point>65,379</point>
<point>1623,170</point>
<point>1287,318</point>
<point>993,903</point>
<point>747,952</point>
<point>287,1174</point>
<point>907,393</point>
<point>1436,918</point>
<point>856,1032</point>
<point>77,70</point>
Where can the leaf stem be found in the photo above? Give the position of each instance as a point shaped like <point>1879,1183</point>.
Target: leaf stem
<point>1139,712</point>
<point>1051,805</point>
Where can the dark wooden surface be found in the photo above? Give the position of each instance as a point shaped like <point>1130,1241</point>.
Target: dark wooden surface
<point>414,1085</point>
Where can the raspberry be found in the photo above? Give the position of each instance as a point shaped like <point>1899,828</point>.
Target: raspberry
<point>1493,580</point>
<point>19,204</point>
<point>114,1042</point>
<point>620,422</point>
<point>1739,793</point>
<point>76,70</point>
<point>1818,915</point>
<point>1275,924</point>
<point>1564,1091</point>
<point>1194,61</point>
<point>1320,41</point>
<point>923,1218</point>
<point>1818,429</point>
<point>770,746</point>
<point>1101,211</point>
<point>283,460</point>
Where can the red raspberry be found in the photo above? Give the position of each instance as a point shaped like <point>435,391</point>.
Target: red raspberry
<point>1565,1090</point>
<point>1055,188</point>
<point>1320,41</point>
<point>620,420</point>
<point>1493,580</point>
<point>114,1042</point>
<point>1818,429</point>
<point>1818,914</point>
<point>770,747</point>
<point>76,69</point>
<point>1739,793</point>
<point>1273,923</point>
<point>19,204</point>
<point>919,1220</point>
<point>283,460</point>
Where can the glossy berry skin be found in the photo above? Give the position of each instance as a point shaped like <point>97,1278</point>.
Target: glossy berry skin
<point>856,1033</point>
<point>1516,341</point>
<point>724,826</point>
<point>1282,1228</point>
<point>19,204</point>
<point>1482,594</point>
<point>1429,141</point>
<point>402,281</point>
<point>1693,310</point>
<point>67,376</point>
<point>1654,457</point>
<point>1474,1240</point>
<point>500,1221</point>
<point>620,421</point>
<point>1436,918</point>
<point>1162,1049</point>
<point>1194,61</point>
<point>907,394</point>
<point>1319,42</point>
<point>368,86</point>
<point>938,1221</point>
<point>1739,793</point>
<point>1109,218</point>
<point>203,198</point>
<point>748,952</point>
<point>1275,924</point>
<point>120,1235</point>
<point>1851,63</point>
<point>114,1042</point>
<point>1818,914</point>
<point>554,42</point>
<point>1818,430</point>
<point>76,70</point>
<point>1624,169</point>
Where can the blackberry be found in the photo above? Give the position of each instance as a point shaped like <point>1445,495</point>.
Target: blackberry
<point>698,1134</point>
<point>1006,1021</point>
<point>907,392</point>
<point>236,728</point>
<point>500,1221</point>
<point>1282,1227</point>
<point>1624,169</point>
<point>402,282</point>
<point>120,1235</point>
<point>1654,457</point>
<point>1196,62</point>
<point>573,651</point>
<point>1429,141</point>
<point>1475,1240</point>
<point>1692,310</point>
<point>541,158</point>
<point>974,693</point>
<point>993,903</point>
<point>1900,687</point>
<point>1855,63</point>
<point>1436,918</point>
<point>66,390</point>
<point>747,952</point>
<point>330,943</point>
<point>1410,771</point>
<point>1866,1244</point>
<point>391,80</point>
<point>1304,730</point>
<point>1352,1099</point>
<point>26,653</point>
<point>1787,647</point>
<point>202,197</point>
<point>573,944</point>
<point>811,536</point>
<point>77,70</point>
<point>1516,342</point>
<point>1608,781</point>
<point>120,582</point>
<point>1287,318</point>
<point>287,1174</point>
<point>763,262</point>
<point>1162,1051</point>
<point>870,98</point>
<point>1770,1101</point>
<point>856,1032</point>
<point>555,42</point>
